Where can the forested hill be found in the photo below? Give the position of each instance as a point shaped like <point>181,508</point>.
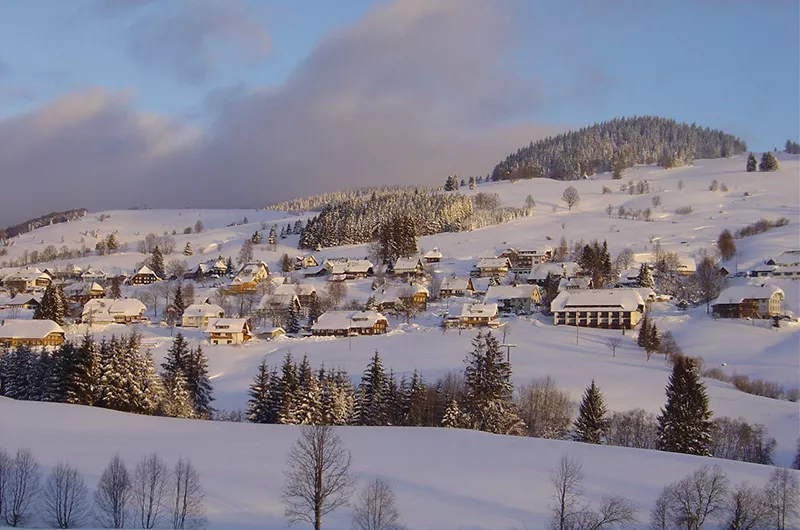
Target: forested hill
<point>615,145</point>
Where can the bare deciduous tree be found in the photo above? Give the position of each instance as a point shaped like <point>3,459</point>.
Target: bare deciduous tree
<point>567,479</point>
<point>633,428</point>
<point>376,507</point>
<point>708,280</point>
<point>65,498</point>
<point>570,197</point>
<point>337,292</point>
<point>687,504</point>
<point>546,409</point>
<point>22,487</point>
<point>614,511</point>
<point>150,480</point>
<point>318,478</point>
<point>783,496</point>
<point>5,472</point>
<point>113,495</point>
<point>613,343</point>
<point>747,509</point>
<point>187,500</point>
<point>176,268</point>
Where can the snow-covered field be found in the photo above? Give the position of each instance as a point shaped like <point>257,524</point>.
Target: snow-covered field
<point>448,479</point>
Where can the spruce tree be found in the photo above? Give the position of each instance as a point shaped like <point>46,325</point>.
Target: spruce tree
<point>453,416</point>
<point>289,384</point>
<point>115,291</point>
<point>83,373</point>
<point>644,332</point>
<point>188,250</point>
<point>393,402</point>
<point>684,425</point>
<point>272,238</point>
<point>591,424</point>
<point>768,162</point>
<point>157,263</point>
<point>52,306</point>
<point>371,394</point>
<point>256,238</point>
<point>646,277</point>
<point>178,402</point>
<point>177,301</point>
<point>653,341</point>
<point>314,310</point>
<point>417,401</point>
<point>198,383</point>
<point>258,406</point>
<point>752,164</point>
<point>176,359</point>
<point>293,320</point>
<point>111,243</point>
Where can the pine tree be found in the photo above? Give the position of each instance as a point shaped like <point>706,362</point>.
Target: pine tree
<point>116,375</point>
<point>371,394</point>
<point>286,263</point>
<point>684,425</point>
<point>176,359</point>
<point>115,291</point>
<point>752,165</point>
<point>453,416</point>
<point>256,238</point>
<point>293,320</point>
<point>198,383</point>
<point>309,399</point>
<point>314,310</point>
<point>393,402</point>
<point>646,277</point>
<point>768,162</point>
<point>258,406</point>
<point>416,401</point>
<point>83,373</point>
<point>272,238</point>
<point>178,402</point>
<point>644,332</point>
<point>228,265</point>
<point>157,263</point>
<point>111,243</point>
<point>591,425</point>
<point>17,368</point>
<point>177,301</point>
<point>289,384</point>
<point>653,341</point>
<point>489,389</point>
<point>52,306</point>
<point>188,250</point>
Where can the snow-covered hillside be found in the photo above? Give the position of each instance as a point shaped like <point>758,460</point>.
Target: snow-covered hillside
<point>457,479</point>
<point>444,479</point>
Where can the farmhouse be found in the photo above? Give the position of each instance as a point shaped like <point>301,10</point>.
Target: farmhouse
<point>342,269</point>
<point>408,267</point>
<point>492,266</point>
<point>598,308</point>
<point>108,311</point>
<point>523,260</point>
<point>248,277</point>
<point>215,268</point>
<point>475,315</point>
<point>538,274</point>
<point>518,299</point>
<point>84,291</point>
<point>94,275</point>
<point>228,331</point>
<point>20,301</point>
<point>753,301</point>
<point>456,287</point>
<point>281,301</point>
<point>270,333</point>
<point>305,261</point>
<point>144,276</point>
<point>198,315</point>
<point>391,295</point>
<point>686,267</point>
<point>432,256</point>
<point>29,279</point>
<point>572,284</point>
<point>790,258</point>
<point>344,323</point>
<point>305,292</point>
<point>30,333</point>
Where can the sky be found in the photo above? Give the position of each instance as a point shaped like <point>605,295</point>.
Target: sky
<point>242,103</point>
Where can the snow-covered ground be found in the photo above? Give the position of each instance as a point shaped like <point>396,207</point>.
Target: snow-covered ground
<point>507,485</point>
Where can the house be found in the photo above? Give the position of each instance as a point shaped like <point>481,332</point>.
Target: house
<point>15,332</point>
<point>686,267</point>
<point>228,331</point>
<point>270,333</point>
<point>20,301</point>
<point>305,292</point>
<point>487,267</point>
<point>571,284</point>
<point>408,267</point>
<point>518,299</point>
<point>280,302</point>
<point>83,292</point>
<point>629,278</point>
<point>598,308</point>
<point>305,261</point>
<point>198,315</point>
<point>753,301</point>
<point>475,315</point>
<point>350,269</point>
<point>144,276</point>
<point>539,273</point>
<point>480,286</point>
<point>108,311</point>
<point>390,295</point>
<point>523,260</point>
<point>787,271</point>
<point>456,287</point>
<point>27,280</point>
<point>345,323</point>
<point>790,258</point>
<point>93,275</point>
<point>432,256</point>
<point>248,277</point>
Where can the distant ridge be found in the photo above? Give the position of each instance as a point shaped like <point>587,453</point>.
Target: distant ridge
<point>51,218</point>
<point>615,145</point>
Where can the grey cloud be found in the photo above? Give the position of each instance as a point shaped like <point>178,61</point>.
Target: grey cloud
<point>187,38</point>
<point>414,91</point>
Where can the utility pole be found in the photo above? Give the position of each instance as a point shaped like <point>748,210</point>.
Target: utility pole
<point>508,351</point>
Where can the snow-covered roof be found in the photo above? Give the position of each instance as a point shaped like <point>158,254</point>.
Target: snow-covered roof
<point>123,306</point>
<point>227,325</point>
<point>539,272</point>
<point>481,285</point>
<point>28,329</point>
<point>493,263</point>
<point>455,284</point>
<point>686,264</point>
<point>597,299</point>
<point>737,294</point>
<point>93,273</point>
<point>478,310</point>
<point>497,293</point>
<point>85,288</point>
<point>541,251</point>
<point>300,289</point>
<point>27,274</point>
<point>339,320</point>
<point>790,257</point>
<point>203,310</point>
<point>19,299</point>
<point>393,292</point>
<point>646,293</point>
<point>407,264</point>
<point>433,254</point>
<point>579,282</point>
<point>283,300</point>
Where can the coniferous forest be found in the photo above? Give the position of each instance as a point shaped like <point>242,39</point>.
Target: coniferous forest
<point>615,145</point>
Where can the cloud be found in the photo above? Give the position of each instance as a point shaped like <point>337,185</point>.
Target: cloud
<point>412,92</point>
<point>190,39</point>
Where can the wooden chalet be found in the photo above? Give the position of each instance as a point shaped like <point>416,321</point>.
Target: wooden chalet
<point>228,331</point>
<point>305,292</point>
<point>456,287</point>
<point>94,275</point>
<point>538,274</point>
<point>144,276</point>
<point>346,323</point>
<point>15,333</point>
<point>432,256</point>
<point>83,292</point>
<point>248,278</point>
<point>474,315</point>
<point>487,267</point>
<point>27,280</point>
<point>109,311</point>
<point>516,299</point>
<point>523,260</point>
<point>20,301</point>
<point>198,315</point>
<point>749,301</point>
<point>391,295</point>
<point>305,261</point>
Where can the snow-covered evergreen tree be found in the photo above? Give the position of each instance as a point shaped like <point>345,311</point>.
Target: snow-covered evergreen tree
<point>314,310</point>
<point>201,392</point>
<point>289,385</point>
<point>258,406</point>
<point>176,359</point>
<point>591,425</point>
<point>684,425</point>
<point>293,319</point>
<point>272,238</point>
<point>453,415</point>
<point>416,401</point>
<point>83,373</point>
<point>752,164</point>
<point>157,263</point>
<point>177,402</point>
<point>644,332</point>
<point>178,302</point>
<point>371,394</point>
<point>188,250</point>
<point>52,307</point>
<point>768,162</point>
<point>646,277</point>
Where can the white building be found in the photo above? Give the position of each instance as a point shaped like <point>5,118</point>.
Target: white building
<point>598,308</point>
<point>198,315</point>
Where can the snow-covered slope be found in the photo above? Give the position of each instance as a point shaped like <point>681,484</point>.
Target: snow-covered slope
<point>444,479</point>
